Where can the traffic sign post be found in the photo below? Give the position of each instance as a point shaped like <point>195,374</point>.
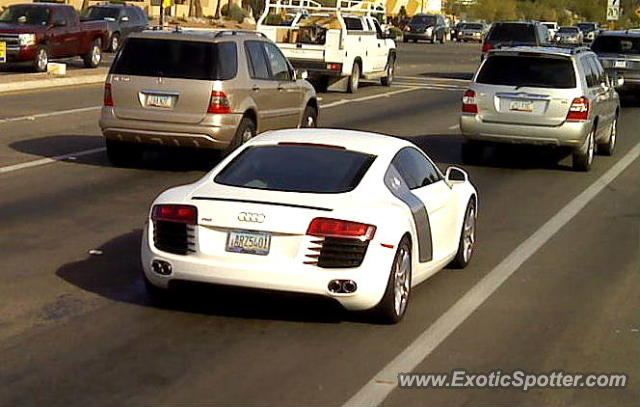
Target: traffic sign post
<point>613,10</point>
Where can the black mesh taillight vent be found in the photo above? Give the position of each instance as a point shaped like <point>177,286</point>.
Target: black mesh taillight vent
<point>337,253</point>
<point>174,237</point>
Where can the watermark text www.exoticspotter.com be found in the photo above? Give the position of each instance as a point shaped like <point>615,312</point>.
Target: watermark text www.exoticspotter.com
<point>517,379</point>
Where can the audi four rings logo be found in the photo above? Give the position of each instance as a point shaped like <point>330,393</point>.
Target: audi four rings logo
<point>251,217</point>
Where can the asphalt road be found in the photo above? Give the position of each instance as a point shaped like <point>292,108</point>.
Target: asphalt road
<point>73,64</point>
<point>78,328</point>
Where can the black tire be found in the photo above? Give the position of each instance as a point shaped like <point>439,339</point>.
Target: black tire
<point>309,117</point>
<point>583,155</point>
<point>472,152</point>
<point>246,131</point>
<point>93,58</point>
<point>386,310</point>
<point>123,154</point>
<point>405,39</point>
<point>354,78</point>
<point>415,41</point>
<point>114,44</point>
<point>41,60</point>
<point>391,69</point>
<point>467,239</point>
<point>607,147</point>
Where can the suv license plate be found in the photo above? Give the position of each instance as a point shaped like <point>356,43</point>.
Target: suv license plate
<point>621,64</point>
<point>521,106</point>
<point>3,52</point>
<point>159,101</point>
<point>241,241</point>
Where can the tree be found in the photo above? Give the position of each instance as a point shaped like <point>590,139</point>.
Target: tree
<point>195,8</point>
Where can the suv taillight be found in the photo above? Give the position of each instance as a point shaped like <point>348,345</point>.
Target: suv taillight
<point>326,227</point>
<point>175,213</point>
<point>580,109</point>
<point>219,103</point>
<point>108,96</point>
<point>469,102</point>
<point>487,46</point>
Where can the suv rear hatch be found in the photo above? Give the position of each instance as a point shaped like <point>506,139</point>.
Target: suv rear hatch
<point>169,80</point>
<point>619,53</point>
<point>525,88</point>
<point>510,34</point>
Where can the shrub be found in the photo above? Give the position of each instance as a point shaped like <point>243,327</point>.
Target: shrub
<point>233,12</point>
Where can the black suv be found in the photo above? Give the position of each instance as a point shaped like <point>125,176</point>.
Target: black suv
<point>427,27</point>
<point>619,53</point>
<point>509,34</point>
<point>121,19</point>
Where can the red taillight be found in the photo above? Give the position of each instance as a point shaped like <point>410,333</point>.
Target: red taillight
<point>334,67</point>
<point>326,227</point>
<point>487,46</point>
<point>219,103</point>
<point>469,102</point>
<point>580,109</point>
<point>108,96</point>
<point>175,213</point>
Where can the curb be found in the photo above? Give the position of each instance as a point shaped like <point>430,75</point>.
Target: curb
<point>52,82</point>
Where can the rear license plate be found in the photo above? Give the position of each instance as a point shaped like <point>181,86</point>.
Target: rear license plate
<point>521,106</point>
<point>242,241</point>
<point>159,101</point>
<point>3,52</point>
<point>621,64</point>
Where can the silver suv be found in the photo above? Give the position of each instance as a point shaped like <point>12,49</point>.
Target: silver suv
<point>202,89</point>
<point>541,95</point>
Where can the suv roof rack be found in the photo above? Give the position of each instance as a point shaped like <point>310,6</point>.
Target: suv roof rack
<point>222,33</point>
<point>366,7</point>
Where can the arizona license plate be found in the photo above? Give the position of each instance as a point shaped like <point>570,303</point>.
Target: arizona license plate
<point>160,101</point>
<point>241,241</point>
<point>521,106</point>
<point>3,52</point>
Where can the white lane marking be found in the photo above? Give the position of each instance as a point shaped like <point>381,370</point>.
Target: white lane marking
<point>454,127</point>
<point>43,161</point>
<point>370,97</point>
<point>380,386</point>
<point>426,79</point>
<point>49,114</point>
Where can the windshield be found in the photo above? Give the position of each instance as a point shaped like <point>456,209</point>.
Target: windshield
<point>513,33</point>
<point>296,168</point>
<point>28,15</point>
<point>617,45</point>
<point>536,72</point>
<point>568,30</point>
<point>586,27</point>
<point>471,27</point>
<point>423,20</point>
<point>101,13</point>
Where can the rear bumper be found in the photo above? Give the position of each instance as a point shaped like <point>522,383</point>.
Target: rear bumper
<point>470,37</point>
<point>214,132</point>
<point>315,68</point>
<point>569,134</point>
<point>418,36</point>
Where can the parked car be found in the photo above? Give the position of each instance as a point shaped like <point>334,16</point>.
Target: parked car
<point>619,53</point>
<point>514,99</point>
<point>336,45</point>
<point>569,35</point>
<point>471,32</point>
<point>38,32</point>
<point>122,20</point>
<point>200,89</point>
<point>354,216</point>
<point>589,30</point>
<point>552,26</point>
<point>509,34</point>
<point>426,27</point>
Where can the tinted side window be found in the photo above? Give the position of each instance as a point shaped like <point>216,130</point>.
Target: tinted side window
<point>379,32</point>
<point>599,71</point>
<point>353,23</point>
<point>415,168</point>
<point>279,65</point>
<point>589,73</point>
<point>133,18</point>
<point>258,68</point>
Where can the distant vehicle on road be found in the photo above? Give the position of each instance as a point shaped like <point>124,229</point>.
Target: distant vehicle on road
<point>552,26</point>
<point>199,89</point>
<point>354,216</point>
<point>589,30</point>
<point>619,53</point>
<point>39,32</point>
<point>426,27</point>
<point>569,35</point>
<point>471,32</point>
<point>122,20</point>
<point>508,34</point>
<point>514,99</point>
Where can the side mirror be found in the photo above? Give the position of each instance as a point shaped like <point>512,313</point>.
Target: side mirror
<point>60,23</point>
<point>302,74</point>
<point>618,82</point>
<point>456,175</point>
<point>124,19</point>
<point>391,35</point>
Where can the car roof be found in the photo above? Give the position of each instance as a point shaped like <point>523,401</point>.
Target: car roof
<point>42,5</point>
<point>370,143</point>
<point>113,5</point>
<point>192,34</point>
<point>620,33</point>
<point>557,51</point>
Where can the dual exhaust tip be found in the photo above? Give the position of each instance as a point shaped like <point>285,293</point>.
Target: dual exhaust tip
<point>161,267</point>
<point>342,286</point>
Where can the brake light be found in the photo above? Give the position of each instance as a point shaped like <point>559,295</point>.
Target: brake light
<point>469,102</point>
<point>487,46</point>
<point>108,96</point>
<point>334,67</point>
<point>175,213</point>
<point>580,109</point>
<point>326,227</point>
<point>219,103</point>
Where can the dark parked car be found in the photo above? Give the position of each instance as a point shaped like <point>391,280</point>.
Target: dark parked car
<point>427,27</point>
<point>619,53</point>
<point>509,34</point>
<point>121,19</point>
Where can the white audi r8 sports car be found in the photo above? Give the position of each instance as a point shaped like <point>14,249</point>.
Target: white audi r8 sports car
<point>359,217</point>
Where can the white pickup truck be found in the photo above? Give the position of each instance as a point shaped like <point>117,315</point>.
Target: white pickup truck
<point>337,46</point>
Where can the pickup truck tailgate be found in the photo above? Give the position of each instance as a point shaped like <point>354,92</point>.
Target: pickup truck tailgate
<point>303,51</point>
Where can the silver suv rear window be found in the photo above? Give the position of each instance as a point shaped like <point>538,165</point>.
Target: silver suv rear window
<point>617,45</point>
<point>198,60</point>
<point>536,72</point>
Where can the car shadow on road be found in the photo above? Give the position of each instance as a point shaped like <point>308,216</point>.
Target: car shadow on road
<point>114,272</point>
<point>448,75</point>
<point>156,159</point>
<point>447,149</point>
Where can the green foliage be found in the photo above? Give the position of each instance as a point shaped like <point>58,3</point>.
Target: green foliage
<point>233,12</point>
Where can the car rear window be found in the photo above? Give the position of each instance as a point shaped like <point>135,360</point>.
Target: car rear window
<point>537,72</point>
<point>513,33</point>
<point>423,20</point>
<point>296,168</point>
<point>616,45</point>
<point>177,59</point>
<point>472,27</point>
<point>569,30</point>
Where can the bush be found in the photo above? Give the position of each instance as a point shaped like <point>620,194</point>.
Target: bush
<point>233,12</point>
<point>273,19</point>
